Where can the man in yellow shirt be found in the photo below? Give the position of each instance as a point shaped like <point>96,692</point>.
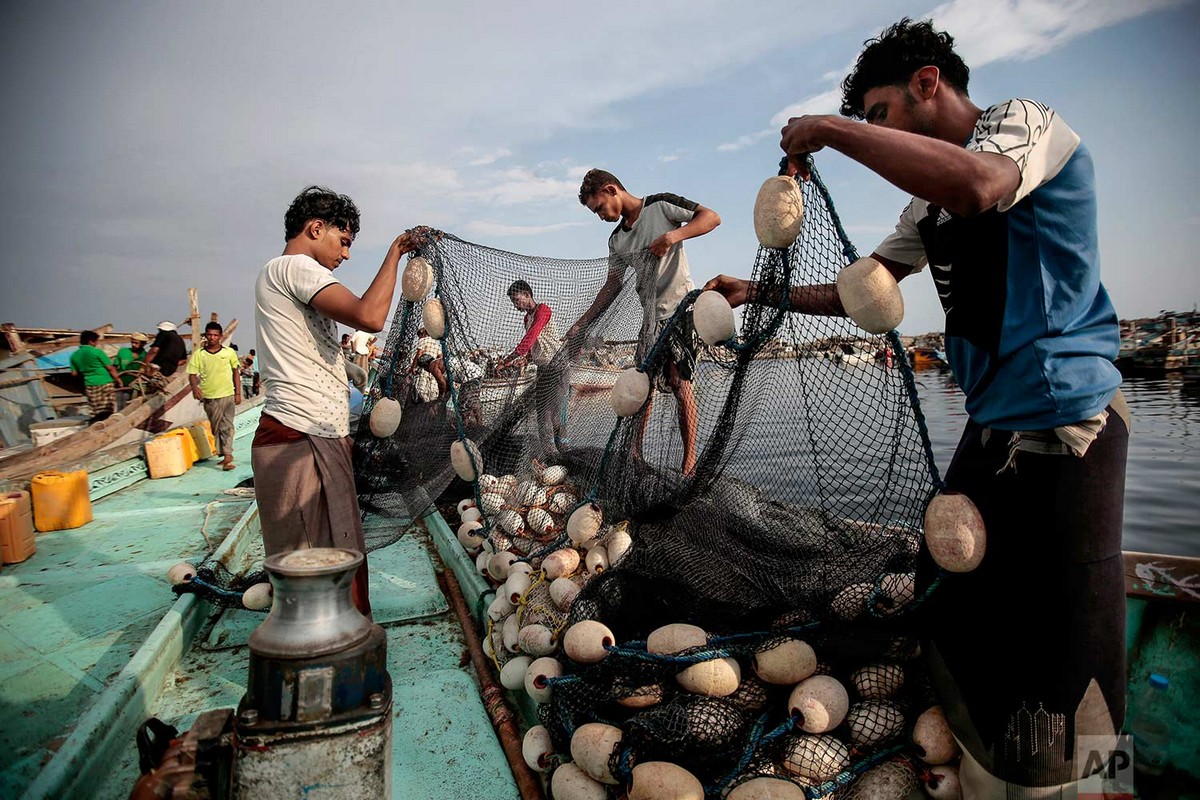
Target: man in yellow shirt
<point>214,373</point>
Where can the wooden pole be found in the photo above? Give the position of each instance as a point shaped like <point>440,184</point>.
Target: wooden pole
<point>194,316</point>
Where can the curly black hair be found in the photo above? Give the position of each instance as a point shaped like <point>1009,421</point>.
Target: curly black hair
<point>592,182</point>
<point>891,59</point>
<point>317,202</point>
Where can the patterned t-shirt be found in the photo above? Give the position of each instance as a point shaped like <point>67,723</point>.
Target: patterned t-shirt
<point>660,214</point>
<point>300,358</point>
<point>1030,331</point>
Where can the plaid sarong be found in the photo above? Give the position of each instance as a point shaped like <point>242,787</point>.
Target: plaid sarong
<point>102,399</point>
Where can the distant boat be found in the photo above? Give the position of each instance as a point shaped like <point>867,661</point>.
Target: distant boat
<point>927,358</point>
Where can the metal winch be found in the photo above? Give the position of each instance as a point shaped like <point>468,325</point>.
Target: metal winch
<point>316,720</point>
<point>318,710</point>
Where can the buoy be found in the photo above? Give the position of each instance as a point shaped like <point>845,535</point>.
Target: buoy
<point>851,601</point>
<point>522,567</point>
<point>870,296</point>
<point>592,745</point>
<point>462,462</point>
<point>489,483</point>
<point>954,532</point>
<point>815,759</point>
<point>536,677</point>
<point>778,212</point>
<point>464,504</point>
<point>675,638</point>
<point>512,674</point>
<point>505,485</point>
<point>765,788</point>
<point>489,649</point>
<point>877,681</point>
<point>385,417</point>
<point>943,783</point>
<point>562,502</point>
<point>718,677</point>
<point>662,780</point>
<point>500,607</point>
<point>417,279</point>
<point>540,521</point>
<point>873,721</point>
<point>642,696</point>
<point>508,634</point>
<point>586,640</point>
<point>481,562</point>
<point>561,563</point>
<point>618,544</point>
<point>511,522</point>
<point>491,503</point>
<point>535,640</point>
<point>257,597</point>
<point>467,535</point>
<point>629,393</point>
<point>181,573</point>
<point>584,523</point>
<point>934,742</point>
<point>596,560</point>
<point>890,780</point>
<point>569,782</point>
<point>525,493</point>
<point>498,565</point>
<point>563,592</point>
<point>496,543</point>
<point>433,317</point>
<point>712,317</point>
<point>471,514</point>
<point>537,748</point>
<point>516,585</point>
<point>896,591</point>
<point>553,476</point>
<point>785,663</point>
<point>819,703</point>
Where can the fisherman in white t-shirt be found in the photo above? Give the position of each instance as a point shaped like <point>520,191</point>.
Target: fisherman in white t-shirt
<point>303,477</point>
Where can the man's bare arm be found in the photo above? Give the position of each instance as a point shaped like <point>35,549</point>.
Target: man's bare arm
<point>945,174</point>
<point>819,299</point>
<point>369,312</point>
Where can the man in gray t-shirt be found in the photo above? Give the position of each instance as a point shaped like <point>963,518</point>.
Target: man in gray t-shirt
<point>656,225</point>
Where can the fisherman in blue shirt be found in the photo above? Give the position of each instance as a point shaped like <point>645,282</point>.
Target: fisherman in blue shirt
<point>1027,650</point>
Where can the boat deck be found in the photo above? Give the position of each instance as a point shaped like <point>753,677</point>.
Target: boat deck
<point>93,641</point>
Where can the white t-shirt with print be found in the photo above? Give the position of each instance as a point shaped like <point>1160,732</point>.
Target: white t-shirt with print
<point>300,361</point>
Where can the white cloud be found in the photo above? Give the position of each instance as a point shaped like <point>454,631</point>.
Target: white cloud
<point>483,159</point>
<point>487,228</point>
<point>667,159</point>
<point>986,31</point>
<point>745,141</point>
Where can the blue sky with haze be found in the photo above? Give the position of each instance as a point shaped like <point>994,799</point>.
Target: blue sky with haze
<point>150,148</point>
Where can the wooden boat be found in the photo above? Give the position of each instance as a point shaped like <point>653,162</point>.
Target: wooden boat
<point>93,641</point>
<point>926,358</point>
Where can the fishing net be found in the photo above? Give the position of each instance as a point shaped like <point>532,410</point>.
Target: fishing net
<point>795,516</point>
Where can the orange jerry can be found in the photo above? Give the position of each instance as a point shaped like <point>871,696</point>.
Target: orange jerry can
<point>166,456</point>
<point>17,541</point>
<point>60,500</point>
<point>202,437</point>
<point>190,452</point>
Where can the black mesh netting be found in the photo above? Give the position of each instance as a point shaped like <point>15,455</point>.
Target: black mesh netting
<point>797,515</point>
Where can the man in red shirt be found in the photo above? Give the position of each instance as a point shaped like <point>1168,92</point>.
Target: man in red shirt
<point>542,347</point>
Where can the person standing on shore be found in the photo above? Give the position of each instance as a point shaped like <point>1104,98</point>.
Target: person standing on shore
<point>99,375</point>
<point>301,455</point>
<point>658,224</point>
<point>214,372</point>
<point>1027,651</point>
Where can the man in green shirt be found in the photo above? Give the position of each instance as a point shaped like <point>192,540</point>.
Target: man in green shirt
<point>130,359</point>
<point>213,371</point>
<point>99,375</point>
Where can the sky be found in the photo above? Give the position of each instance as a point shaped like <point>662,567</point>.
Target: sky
<point>152,147</point>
